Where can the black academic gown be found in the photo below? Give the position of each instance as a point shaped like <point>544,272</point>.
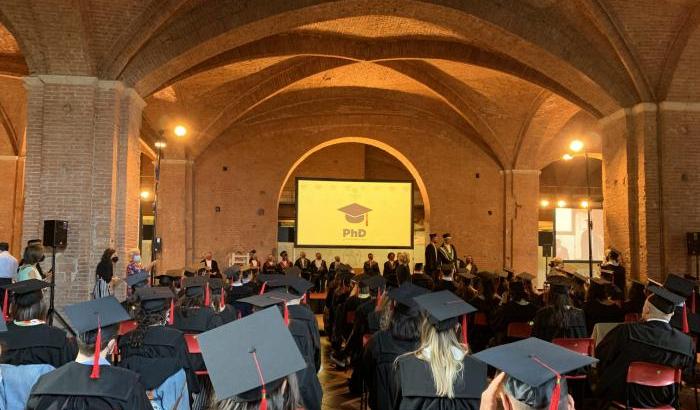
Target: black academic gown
<point>423,280</point>
<point>390,268</point>
<point>237,292</point>
<point>378,367</point>
<point>480,335</point>
<point>597,312</point>
<point>196,320</point>
<point>228,315</point>
<point>547,327</point>
<point>416,388</point>
<point>371,268</point>
<point>511,312</point>
<point>403,273</point>
<point>70,387</point>
<point>432,259</point>
<point>305,266</point>
<point>445,285</point>
<point>38,344</point>
<point>354,347</point>
<point>164,347</point>
<point>653,341</point>
<point>619,278</point>
<point>445,258</point>
<point>303,327</point>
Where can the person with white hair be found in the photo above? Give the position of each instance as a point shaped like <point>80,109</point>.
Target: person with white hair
<point>653,340</point>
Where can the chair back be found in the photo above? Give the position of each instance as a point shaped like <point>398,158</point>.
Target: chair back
<point>519,330</point>
<point>631,317</point>
<point>192,343</point>
<point>480,319</point>
<point>582,346</point>
<point>127,326</point>
<point>652,375</point>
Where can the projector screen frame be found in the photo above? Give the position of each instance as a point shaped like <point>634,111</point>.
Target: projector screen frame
<point>296,213</point>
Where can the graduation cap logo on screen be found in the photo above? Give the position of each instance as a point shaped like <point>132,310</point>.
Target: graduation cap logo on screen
<point>356,213</point>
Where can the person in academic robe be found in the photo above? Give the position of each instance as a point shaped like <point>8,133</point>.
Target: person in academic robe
<point>486,301</point>
<point>269,267</point>
<point>448,252</point>
<point>370,267</point>
<point>304,264</point>
<point>319,273</point>
<point>613,264</point>
<point>284,262</point>
<point>29,339</point>
<point>253,261</point>
<point>599,308</point>
<point>390,264</point>
<point>218,301</point>
<point>345,317</point>
<point>446,280</point>
<point>333,268</point>
<point>420,278</point>
<point>299,322</point>
<point>402,336</point>
<point>238,290</point>
<point>528,280</point>
<point>256,349</point>
<point>403,270</point>
<point>156,351</point>
<point>654,341</point>
<point>90,382</point>
<point>432,257</point>
<point>560,319</point>
<point>459,380</point>
<point>209,264</point>
<point>517,309</point>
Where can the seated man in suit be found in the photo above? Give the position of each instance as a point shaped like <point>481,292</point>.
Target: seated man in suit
<point>653,340</point>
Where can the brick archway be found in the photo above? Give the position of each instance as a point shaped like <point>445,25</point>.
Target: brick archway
<point>377,144</point>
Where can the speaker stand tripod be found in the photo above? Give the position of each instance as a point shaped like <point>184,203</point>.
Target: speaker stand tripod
<point>52,289</point>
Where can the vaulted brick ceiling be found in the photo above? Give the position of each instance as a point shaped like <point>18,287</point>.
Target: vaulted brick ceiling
<point>517,78</point>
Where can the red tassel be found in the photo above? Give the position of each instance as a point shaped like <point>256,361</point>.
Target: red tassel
<point>286,314</point>
<point>207,295</point>
<point>222,302</point>
<point>262,288</point>
<point>263,400</point>
<point>465,340</point>
<point>556,392</point>
<point>4,305</point>
<point>171,316</point>
<point>686,328</point>
<point>98,347</point>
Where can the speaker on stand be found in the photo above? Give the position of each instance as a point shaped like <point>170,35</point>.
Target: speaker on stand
<point>55,236</point>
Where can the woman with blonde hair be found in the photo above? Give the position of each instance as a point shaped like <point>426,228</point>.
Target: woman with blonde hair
<point>440,374</point>
<point>403,271</point>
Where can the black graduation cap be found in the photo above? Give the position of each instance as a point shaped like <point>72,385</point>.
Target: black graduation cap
<point>373,282</point>
<point>536,364</point>
<point>446,235</point>
<point>299,285</point>
<point>355,213</point>
<point>679,285</point>
<point>559,283</point>
<point>293,272</point>
<point>600,282</point>
<point>251,356</point>
<point>89,320</point>
<point>137,279</point>
<point>27,292</point>
<point>272,280</point>
<point>443,309</point>
<point>215,284</point>
<point>232,272</point>
<point>155,299</point>
<point>270,299</point>
<point>194,286</point>
<point>404,295</point>
<point>172,274</point>
<point>663,299</point>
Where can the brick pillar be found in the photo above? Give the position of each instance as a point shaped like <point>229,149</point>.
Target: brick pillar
<point>10,173</point>
<point>82,166</point>
<point>175,213</point>
<point>632,190</point>
<point>521,196</point>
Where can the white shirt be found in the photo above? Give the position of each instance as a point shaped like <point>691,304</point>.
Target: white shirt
<point>8,265</point>
<point>207,262</point>
<point>318,263</point>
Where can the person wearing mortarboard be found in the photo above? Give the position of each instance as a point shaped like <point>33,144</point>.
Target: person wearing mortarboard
<point>599,307</point>
<point>653,340</point>
<point>298,322</point>
<point>448,252</point>
<point>516,309</point>
<point>559,319</point>
<point>432,257</point>
<point>158,352</point>
<point>532,375</point>
<point>370,267</point>
<point>446,278</point>
<point>420,278</point>
<point>217,301</point>
<point>238,290</point>
<point>613,264</point>
<point>254,363</point>
<point>91,382</point>
<point>440,373</point>
<point>486,301</point>
<point>401,336</point>
<point>29,340</point>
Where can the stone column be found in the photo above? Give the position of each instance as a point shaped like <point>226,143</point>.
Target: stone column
<point>82,166</point>
<point>175,213</point>
<point>521,196</point>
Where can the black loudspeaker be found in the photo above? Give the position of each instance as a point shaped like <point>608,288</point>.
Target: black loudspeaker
<point>545,238</point>
<point>693,239</point>
<point>56,234</point>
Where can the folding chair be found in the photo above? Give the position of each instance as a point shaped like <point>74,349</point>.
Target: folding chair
<point>519,330</point>
<point>193,348</point>
<point>651,375</point>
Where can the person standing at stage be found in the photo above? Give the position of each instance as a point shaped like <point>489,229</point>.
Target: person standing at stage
<point>304,264</point>
<point>104,274</point>
<point>269,267</point>
<point>253,262</point>
<point>319,273</point>
<point>613,263</point>
<point>432,257</point>
<point>284,263</point>
<point>448,253</point>
<point>333,269</point>
<point>390,265</point>
<point>371,267</point>
<point>210,264</point>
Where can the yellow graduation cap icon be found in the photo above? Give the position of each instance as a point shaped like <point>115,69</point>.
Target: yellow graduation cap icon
<point>355,213</point>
